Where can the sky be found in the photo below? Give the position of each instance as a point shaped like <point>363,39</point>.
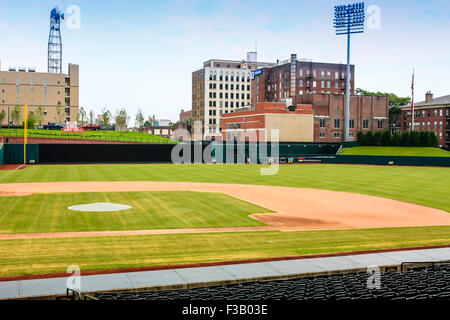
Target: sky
<point>141,54</point>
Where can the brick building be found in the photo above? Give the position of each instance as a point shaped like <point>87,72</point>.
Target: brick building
<point>430,115</point>
<point>293,125</point>
<point>185,116</point>
<point>322,118</point>
<point>294,77</point>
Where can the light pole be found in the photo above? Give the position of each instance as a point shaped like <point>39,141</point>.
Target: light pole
<point>349,19</point>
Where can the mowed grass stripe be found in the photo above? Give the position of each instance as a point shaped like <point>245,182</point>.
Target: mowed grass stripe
<point>421,185</point>
<point>150,210</point>
<point>33,256</point>
<point>396,151</point>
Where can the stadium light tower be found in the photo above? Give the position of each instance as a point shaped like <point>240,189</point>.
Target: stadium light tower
<point>349,19</point>
<point>54,42</point>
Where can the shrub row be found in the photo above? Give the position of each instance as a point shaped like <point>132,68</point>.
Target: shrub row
<point>406,139</point>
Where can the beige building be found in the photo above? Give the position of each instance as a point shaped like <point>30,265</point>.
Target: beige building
<point>38,89</point>
<point>221,86</point>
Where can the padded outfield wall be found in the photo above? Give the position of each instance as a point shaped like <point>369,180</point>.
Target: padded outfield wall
<point>198,152</point>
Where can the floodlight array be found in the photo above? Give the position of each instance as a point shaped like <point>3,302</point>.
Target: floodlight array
<point>349,18</point>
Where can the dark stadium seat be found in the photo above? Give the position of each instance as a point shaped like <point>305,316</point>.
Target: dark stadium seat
<point>423,282</point>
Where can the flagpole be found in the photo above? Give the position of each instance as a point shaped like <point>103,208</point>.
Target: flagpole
<point>412,101</point>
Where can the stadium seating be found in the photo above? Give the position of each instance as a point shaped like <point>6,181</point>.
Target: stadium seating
<point>418,283</point>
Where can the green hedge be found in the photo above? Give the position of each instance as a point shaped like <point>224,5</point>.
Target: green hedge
<point>406,139</point>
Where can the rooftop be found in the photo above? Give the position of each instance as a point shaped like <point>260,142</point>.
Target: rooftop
<point>437,101</point>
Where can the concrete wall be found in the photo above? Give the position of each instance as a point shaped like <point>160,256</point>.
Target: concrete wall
<point>292,127</point>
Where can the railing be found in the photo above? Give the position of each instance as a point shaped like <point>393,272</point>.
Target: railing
<point>405,266</point>
<point>72,294</point>
<point>88,136</point>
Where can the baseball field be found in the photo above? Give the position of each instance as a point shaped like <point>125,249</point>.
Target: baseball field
<point>207,213</point>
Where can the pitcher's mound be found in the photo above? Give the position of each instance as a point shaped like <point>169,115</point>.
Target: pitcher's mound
<point>99,207</point>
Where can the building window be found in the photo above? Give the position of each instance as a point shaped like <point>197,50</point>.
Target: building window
<point>337,134</point>
<point>322,123</point>
<point>351,124</point>
<point>17,101</point>
<point>314,84</point>
<point>351,134</point>
<point>17,90</point>
<point>380,124</point>
<point>322,84</point>
<point>337,123</point>
<point>365,124</point>
<point>322,135</point>
<point>17,81</point>
<point>45,82</point>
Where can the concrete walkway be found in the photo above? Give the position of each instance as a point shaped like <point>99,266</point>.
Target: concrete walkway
<point>189,277</point>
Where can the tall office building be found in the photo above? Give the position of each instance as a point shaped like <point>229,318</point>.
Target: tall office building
<point>221,86</point>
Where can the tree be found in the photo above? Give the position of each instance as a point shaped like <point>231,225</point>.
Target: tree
<point>106,115</point>
<point>394,100</point>
<point>395,113</point>
<point>39,116</point>
<point>386,138</point>
<point>152,120</point>
<point>434,139</point>
<point>377,138</point>
<point>406,138</point>
<point>369,139</point>
<point>91,117</point>
<point>397,139</point>
<point>360,138</point>
<point>423,138</point>
<point>2,116</point>
<point>395,103</point>
<point>31,121</point>
<point>59,113</point>
<point>121,120</point>
<point>139,122</point>
<point>81,117</point>
<point>415,138</point>
<point>15,115</point>
<point>429,139</point>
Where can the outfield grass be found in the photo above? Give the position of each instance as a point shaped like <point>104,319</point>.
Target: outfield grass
<point>35,256</point>
<point>151,210</point>
<point>396,151</point>
<point>422,185</point>
<point>106,135</point>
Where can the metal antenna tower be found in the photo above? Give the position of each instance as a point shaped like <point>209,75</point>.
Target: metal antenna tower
<point>54,42</point>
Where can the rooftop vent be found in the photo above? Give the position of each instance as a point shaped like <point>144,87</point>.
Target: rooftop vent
<point>31,69</point>
<point>12,68</point>
<point>22,69</point>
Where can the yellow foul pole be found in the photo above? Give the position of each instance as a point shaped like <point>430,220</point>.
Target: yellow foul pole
<point>25,132</point>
